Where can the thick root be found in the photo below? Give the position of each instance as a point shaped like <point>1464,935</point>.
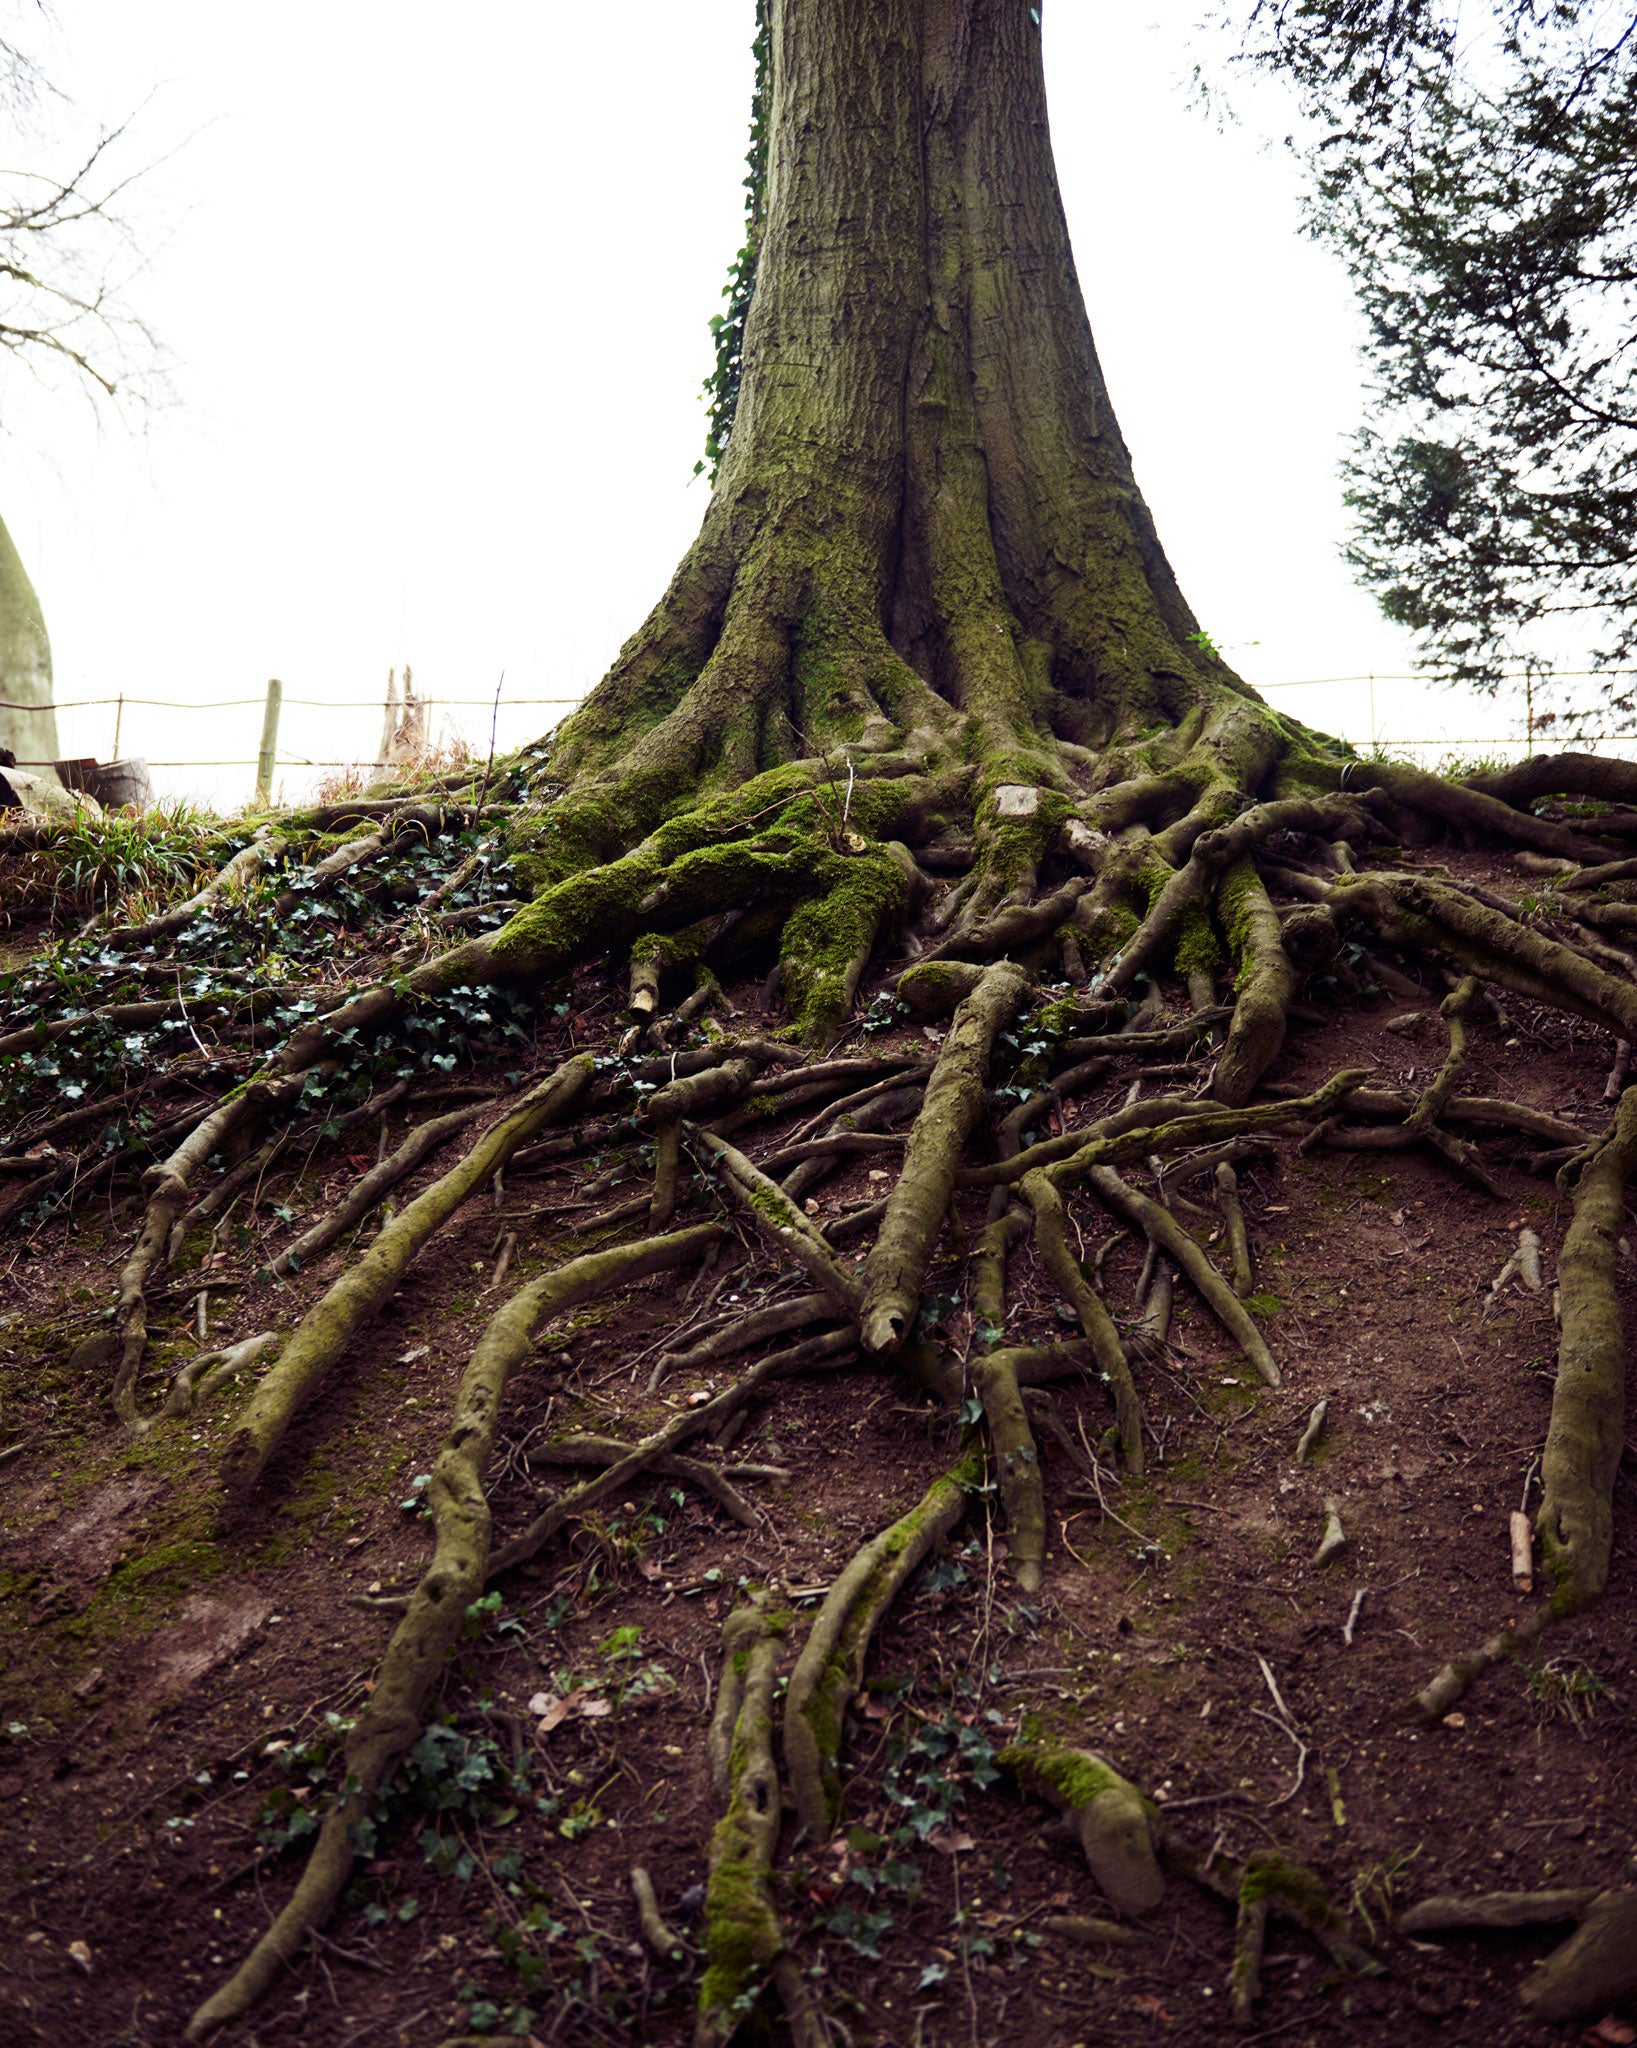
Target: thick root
<point>1109,1817</point>
<point>1587,1432</point>
<point>897,1264</point>
<point>1491,1910</point>
<point>743,1937</point>
<point>1051,1241</point>
<point>327,1329</point>
<point>1233,1230</point>
<point>415,1658</point>
<point>831,1665</point>
<point>1266,984</point>
<point>1017,1466</point>
<point>1595,1969</point>
<point>1586,1435</point>
<point>1168,1235</point>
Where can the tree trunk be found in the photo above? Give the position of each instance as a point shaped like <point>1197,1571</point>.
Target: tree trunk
<point>926,517</point>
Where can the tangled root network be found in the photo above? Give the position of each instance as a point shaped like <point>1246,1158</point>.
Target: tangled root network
<point>915,1176</point>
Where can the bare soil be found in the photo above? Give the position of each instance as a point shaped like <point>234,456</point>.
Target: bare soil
<point>159,1670</point>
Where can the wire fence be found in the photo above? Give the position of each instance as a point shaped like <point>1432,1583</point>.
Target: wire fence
<point>120,741</point>
<point>331,757</point>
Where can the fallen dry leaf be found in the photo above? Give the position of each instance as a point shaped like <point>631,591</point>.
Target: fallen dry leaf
<point>556,1711</point>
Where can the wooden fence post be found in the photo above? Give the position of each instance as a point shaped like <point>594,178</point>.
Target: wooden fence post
<point>268,756</point>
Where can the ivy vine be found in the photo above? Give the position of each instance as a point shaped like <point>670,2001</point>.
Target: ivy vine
<point>721,387</point>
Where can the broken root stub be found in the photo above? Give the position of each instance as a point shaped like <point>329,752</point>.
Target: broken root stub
<point>1109,1816</point>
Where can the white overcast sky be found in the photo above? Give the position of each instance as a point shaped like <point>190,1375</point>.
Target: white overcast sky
<point>436,281</point>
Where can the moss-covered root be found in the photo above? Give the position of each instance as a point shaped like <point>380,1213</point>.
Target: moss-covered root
<point>987,1288</point>
<point>1292,1890</point>
<point>1234,1231</point>
<point>897,1264</point>
<point>933,989</point>
<point>780,1220</point>
<point>1017,1466</point>
<point>1264,983</point>
<point>687,1096</point>
<point>744,1628</point>
<point>328,1328</point>
<point>1584,1439</point>
<point>1109,1816</point>
<point>415,1658</point>
<point>1249,1935</point>
<point>743,1938</point>
<point>1051,1241</point>
<point>1164,1232</point>
<point>167,1185</point>
<point>1583,1443</point>
<point>827,943</point>
<point>1595,1969</point>
<point>831,1663</point>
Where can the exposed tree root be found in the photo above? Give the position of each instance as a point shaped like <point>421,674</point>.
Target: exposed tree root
<point>716,1485</point>
<point>1107,1814</point>
<point>1586,1436</point>
<point>415,1658</point>
<point>327,1329</point>
<point>1168,1236</point>
<point>1455,1915</point>
<point>1587,1432</point>
<point>692,1422</point>
<point>1051,1241</point>
<point>662,1941</point>
<point>831,1663</point>
<point>375,1186</point>
<point>1595,1969</point>
<point>897,1265</point>
<point>1222,843</point>
<point>1233,1226</point>
<point>778,1219</point>
<point>744,1940</point>
<point>1017,1466</point>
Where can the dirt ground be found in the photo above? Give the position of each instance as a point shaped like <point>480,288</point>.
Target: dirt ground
<point>167,1683</point>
